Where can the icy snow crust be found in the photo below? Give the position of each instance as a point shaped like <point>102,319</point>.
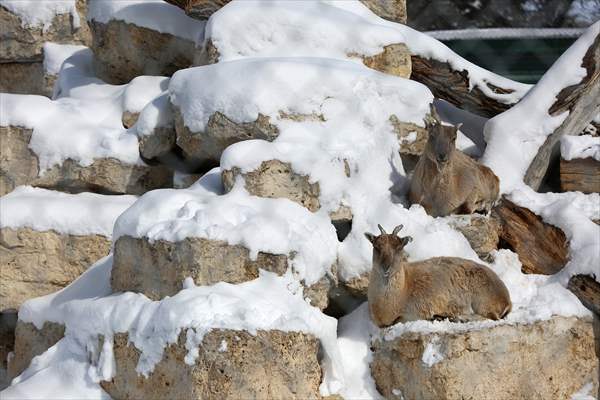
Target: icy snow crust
<point>332,29</point>
<point>83,123</point>
<point>584,146</point>
<point>34,13</point>
<point>73,214</point>
<point>152,14</point>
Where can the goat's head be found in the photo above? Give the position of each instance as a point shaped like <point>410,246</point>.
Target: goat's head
<point>442,138</point>
<point>388,248</point>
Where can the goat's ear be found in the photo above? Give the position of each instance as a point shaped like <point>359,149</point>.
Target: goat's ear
<point>457,127</point>
<point>370,237</point>
<point>434,113</point>
<point>406,240</point>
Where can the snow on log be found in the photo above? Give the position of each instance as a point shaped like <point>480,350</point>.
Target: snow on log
<point>580,163</point>
<point>542,248</point>
<point>587,289</point>
<point>521,140</point>
<point>453,85</point>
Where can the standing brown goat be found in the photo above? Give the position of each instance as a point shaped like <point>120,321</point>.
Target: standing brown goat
<point>441,287</point>
<point>446,181</point>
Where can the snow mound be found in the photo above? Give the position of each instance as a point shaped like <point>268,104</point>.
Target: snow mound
<point>34,13</point>
<point>142,90</point>
<point>293,28</point>
<point>276,226</point>
<point>55,54</point>
<point>152,14</point>
<point>333,29</point>
<point>87,310</point>
<point>73,214</point>
<point>84,121</point>
<point>580,147</point>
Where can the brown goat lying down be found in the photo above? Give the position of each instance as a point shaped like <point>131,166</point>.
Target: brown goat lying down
<point>446,181</point>
<point>441,287</point>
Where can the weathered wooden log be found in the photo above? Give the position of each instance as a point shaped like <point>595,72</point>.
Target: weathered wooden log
<point>587,289</point>
<point>542,248</point>
<point>581,101</point>
<point>452,85</point>
<point>580,174</point>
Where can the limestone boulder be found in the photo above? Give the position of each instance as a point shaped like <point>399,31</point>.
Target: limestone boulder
<point>159,141</point>
<point>482,232</point>
<point>25,78</point>
<point>155,128</point>
<point>276,179</point>
<point>412,137</point>
<point>230,364</point>
<point>205,148</point>
<point>550,359</point>
<point>22,42</point>
<point>20,166</point>
<point>36,263</point>
<point>31,342</point>
<point>393,10</point>
<point>123,51</point>
<point>159,268</point>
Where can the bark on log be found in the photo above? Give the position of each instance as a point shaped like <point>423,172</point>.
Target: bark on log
<point>451,85</point>
<point>587,289</point>
<point>542,248</point>
<point>580,174</point>
<point>583,103</point>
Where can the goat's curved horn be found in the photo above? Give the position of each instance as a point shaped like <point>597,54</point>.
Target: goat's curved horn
<point>383,232</point>
<point>397,229</point>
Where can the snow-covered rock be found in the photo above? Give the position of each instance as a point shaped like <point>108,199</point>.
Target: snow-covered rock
<point>481,231</point>
<point>269,315</point>
<point>25,28</point>
<point>27,25</point>
<point>47,239</point>
<point>141,37</point>
<point>289,28</point>
<point>21,166</point>
<point>31,342</point>
<point>275,179</point>
<point>170,235</point>
<point>544,359</point>
<point>77,141</point>
<point>313,123</point>
<point>229,364</point>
